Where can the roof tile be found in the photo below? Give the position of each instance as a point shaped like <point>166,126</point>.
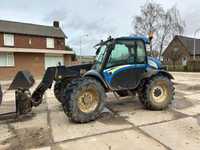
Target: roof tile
<point>30,29</point>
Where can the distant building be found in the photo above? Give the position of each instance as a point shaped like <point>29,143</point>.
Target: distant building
<point>86,59</point>
<point>181,50</point>
<point>31,47</point>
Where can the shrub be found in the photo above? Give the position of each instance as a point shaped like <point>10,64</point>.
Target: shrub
<point>192,66</point>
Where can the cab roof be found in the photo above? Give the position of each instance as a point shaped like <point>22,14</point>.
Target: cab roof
<point>143,38</point>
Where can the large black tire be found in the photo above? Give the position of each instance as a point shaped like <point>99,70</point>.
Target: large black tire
<point>84,100</point>
<point>59,89</point>
<point>157,93</point>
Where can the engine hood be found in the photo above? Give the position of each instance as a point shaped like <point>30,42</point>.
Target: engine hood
<point>154,63</point>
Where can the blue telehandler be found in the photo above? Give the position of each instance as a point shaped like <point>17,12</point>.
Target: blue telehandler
<point>121,66</point>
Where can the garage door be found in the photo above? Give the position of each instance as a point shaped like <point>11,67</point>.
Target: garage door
<point>53,60</point>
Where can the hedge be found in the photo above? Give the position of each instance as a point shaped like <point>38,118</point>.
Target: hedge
<point>192,66</point>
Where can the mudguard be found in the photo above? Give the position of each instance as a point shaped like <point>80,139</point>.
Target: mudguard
<point>97,76</point>
<point>165,73</point>
<point>152,72</point>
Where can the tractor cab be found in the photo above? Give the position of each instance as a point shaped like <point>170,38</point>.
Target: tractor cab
<point>130,48</point>
<point>122,61</point>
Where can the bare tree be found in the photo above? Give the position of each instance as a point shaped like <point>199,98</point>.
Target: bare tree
<point>164,24</point>
<point>148,21</point>
<point>171,24</point>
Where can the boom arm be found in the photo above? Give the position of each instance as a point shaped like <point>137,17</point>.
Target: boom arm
<point>56,74</point>
<point>46,83</point>
<point>24,80</point>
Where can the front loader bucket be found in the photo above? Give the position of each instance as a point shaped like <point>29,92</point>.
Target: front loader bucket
<point>22,80</point>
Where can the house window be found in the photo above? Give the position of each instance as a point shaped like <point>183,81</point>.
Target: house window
<point>8,40</point>
<point>7,60</point>
<point>50,43</point>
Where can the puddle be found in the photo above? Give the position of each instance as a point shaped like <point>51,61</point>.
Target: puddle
<point>124,106</point>
<point>193,88</point>
<point>28,138</point>
<point>181,103</point>
<point>186,87</point>
<point>108,117</point>
<point>113,120</point>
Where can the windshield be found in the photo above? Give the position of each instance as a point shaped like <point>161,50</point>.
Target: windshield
<point>100,55</point>
<point>101,51</point>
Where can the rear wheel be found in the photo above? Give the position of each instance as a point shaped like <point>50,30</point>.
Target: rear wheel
<point>84,100</point>
<point>157,94</point>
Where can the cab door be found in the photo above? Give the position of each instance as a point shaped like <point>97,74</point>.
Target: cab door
<point>126,65</point>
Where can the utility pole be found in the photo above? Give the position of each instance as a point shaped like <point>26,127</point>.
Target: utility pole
<point>194,51</point>
<point>81,37</point>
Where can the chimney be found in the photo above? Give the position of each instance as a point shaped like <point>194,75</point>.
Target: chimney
<point>56,24</point>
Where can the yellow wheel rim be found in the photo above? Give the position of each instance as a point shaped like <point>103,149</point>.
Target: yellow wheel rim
<point>159,93</point>
<point>88,101</point>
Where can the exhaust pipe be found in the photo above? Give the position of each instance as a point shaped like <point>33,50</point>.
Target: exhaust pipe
<point>1,95</point>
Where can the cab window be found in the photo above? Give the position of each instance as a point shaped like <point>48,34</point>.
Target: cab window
<point>121,55</point>
<point>141,53</point>
<point>127,52</point>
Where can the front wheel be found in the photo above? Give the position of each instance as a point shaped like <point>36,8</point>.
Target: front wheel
<point>157,94</point>
<point>59,88</point>
<point>84,100</point>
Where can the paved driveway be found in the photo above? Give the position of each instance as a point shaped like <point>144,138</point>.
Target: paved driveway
<point>126,126</point>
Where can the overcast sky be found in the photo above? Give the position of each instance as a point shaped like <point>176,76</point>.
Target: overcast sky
<point>97,18</point>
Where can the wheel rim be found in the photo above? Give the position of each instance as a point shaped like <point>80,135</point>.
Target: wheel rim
<point>159,93</point>
<point>88,101</point>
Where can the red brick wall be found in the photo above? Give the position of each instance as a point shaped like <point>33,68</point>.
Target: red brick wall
<point>32,62</point>
<point>24,61</point>
<point>1,39</point>
<point>183,52</point>
<point>37,42</point>
<point>67,60</point>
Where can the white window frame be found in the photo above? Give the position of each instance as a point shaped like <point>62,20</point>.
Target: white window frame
<point>50,43</point>
<point>9,60</point>
<point>8,39</point>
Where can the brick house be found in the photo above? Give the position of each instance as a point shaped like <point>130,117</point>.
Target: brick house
<point>31,47</point>
<point>181,50</point>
